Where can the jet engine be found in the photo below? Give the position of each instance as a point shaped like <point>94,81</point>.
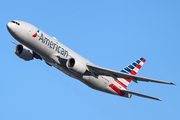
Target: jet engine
<point>23,52</point>
<point>76,65</point>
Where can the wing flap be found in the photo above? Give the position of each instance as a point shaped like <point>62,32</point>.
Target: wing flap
<point>115,74</point>
<point>141,95</point>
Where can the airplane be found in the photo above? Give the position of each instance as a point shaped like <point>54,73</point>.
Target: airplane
<point>37,44</point>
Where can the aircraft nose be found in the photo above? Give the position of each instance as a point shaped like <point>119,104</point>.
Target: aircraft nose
<point>12,27</point>
<point>8,25</point>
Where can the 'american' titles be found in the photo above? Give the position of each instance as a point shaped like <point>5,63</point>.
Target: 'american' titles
<point>53,45</point>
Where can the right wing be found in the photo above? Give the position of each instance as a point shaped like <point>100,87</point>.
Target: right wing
<point>96,70</point>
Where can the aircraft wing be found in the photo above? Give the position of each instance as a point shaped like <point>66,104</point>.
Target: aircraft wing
<point>96,70</point>
<point>141,95</point>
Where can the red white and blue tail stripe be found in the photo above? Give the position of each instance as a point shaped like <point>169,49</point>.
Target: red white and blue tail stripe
<point>134,67</point>
<point>131,69</point>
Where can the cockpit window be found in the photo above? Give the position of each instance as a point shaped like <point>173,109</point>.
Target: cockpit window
<point>15,22</point>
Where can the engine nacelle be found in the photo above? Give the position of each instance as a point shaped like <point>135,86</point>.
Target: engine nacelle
<point>76,65</point>
<point>23,52</point>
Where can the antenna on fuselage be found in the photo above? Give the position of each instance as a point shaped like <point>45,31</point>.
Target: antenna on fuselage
<point>55,38</point>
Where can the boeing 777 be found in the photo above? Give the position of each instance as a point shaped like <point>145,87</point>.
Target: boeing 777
<point>37,44</point>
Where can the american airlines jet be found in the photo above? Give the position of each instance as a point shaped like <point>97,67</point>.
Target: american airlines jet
<point>37,44</point>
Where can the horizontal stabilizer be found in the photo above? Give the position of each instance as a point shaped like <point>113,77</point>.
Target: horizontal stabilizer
<point>141,95</point>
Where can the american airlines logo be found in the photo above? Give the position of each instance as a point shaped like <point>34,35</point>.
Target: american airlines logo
<point>51,44</point>
<point>35,34</point>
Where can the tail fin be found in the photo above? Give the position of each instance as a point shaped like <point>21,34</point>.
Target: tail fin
<point>134,67</point>
<point>131,69</point>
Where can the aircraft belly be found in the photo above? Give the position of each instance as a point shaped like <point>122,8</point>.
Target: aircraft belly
<point>96,83</point>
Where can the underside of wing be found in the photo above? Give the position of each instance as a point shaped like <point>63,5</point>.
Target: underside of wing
<point>96,70</point>
<point>141,95</point>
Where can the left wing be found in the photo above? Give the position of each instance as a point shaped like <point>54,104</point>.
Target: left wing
<point>96,70</point>
<point>141,95</point>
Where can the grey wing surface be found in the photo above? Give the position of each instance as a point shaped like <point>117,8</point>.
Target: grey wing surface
<point>141,95</point>
<point>96,70</point>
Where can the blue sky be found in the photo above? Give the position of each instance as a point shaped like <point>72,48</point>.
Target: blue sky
<point>111,34</point>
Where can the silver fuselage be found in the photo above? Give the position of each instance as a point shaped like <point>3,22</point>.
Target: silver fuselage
<point>49,48</point>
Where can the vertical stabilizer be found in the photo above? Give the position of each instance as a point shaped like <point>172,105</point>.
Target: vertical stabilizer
<point>133,68</point>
